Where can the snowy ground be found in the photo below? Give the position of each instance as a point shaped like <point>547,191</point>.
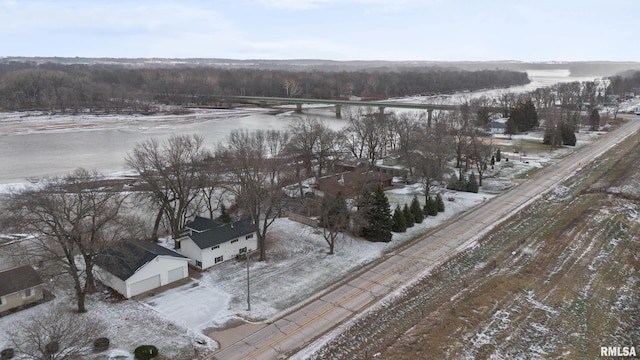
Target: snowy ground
<point>297,268</point>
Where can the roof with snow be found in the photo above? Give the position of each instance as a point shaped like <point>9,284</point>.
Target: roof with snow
<point>17,279</point>
<point>126,257</point>
<point>218,232</point>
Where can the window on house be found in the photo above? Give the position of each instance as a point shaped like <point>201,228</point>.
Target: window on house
<point>27,293</point>
<point>218,259</point>
<point>234,241</point>
<point>249,236</point>
<point>243,250</point>
<point>215,247</point>
<point>198,263</point>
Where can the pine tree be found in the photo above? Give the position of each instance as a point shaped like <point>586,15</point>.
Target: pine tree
<point>594,119</point>
<point>418,216</point>
<point>498,155</point>
<point>425,208</point>
<point>567,135</point>
<point>472,184</point>
<point>224,214</point>
<point>378,218</point>
<point>433,207</point>
<point>399,222</point>
<point>408,216</point>
<point>439,203</point>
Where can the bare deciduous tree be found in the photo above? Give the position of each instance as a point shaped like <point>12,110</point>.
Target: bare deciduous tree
<point>69,217</point>
<point>258,169</point>
<point>433,150</point>
<point>363,135</point>
<point>174,171</point>
<point>312,145</point>
<point>55,333</point>
<point>334,218</point>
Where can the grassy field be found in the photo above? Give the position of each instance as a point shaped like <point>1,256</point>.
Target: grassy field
<point>558,280</point>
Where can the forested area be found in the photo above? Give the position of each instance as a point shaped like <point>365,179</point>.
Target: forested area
<point>625,82</point>
<point>115,89</point>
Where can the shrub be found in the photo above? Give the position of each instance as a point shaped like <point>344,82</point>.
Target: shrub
<point>6,354</point>
<point>408,216</point>
<point>145,352</point>
<point>100,344</point>
<point>439,203</point>
<point>418,216</point>
<point>399,223</point>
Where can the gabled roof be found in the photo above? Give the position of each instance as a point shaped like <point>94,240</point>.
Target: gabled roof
<point>17,279</point>
<point>223,233</point>
<point>126,257</point>
<point>201,224</point>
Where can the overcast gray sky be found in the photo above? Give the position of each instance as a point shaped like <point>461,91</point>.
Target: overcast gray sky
<point>526,30</point>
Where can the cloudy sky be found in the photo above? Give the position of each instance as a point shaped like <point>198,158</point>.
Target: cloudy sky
<point>526,30</point>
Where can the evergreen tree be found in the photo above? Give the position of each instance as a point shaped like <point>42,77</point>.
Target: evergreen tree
<point>522,118</point>
<point>498,155</point>
<point>511,127</point>
<point>418,216</point>
<point>472,184</point>
<point>439,203</point>
<point>224,214</point>
<point>425,208</point>
<point>567,135</point>
<point>530,115</point>
<point>433,207</point>
<point>399,222</point>
<point>594,119</point>
<point>408,216</point>
<point>378,220</point>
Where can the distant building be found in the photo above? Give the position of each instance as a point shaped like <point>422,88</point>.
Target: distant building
<point>497,126</point>
<point>20,286</point>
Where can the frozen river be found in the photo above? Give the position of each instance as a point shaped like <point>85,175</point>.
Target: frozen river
<point>40,146</point>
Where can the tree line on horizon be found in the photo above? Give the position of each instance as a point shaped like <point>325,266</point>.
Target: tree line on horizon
<point>59,88</point>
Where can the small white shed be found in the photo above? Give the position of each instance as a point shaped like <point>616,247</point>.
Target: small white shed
<point>134,267</point>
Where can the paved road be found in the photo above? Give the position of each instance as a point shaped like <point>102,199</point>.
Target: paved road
<point>299,328</point>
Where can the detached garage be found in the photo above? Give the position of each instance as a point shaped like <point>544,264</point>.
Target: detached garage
<point>134,267</point>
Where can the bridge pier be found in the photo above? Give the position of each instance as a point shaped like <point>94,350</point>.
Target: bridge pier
<point>298,108</point>
<point>429,117</point>
<point>338,111</point>
<point>381,110</point>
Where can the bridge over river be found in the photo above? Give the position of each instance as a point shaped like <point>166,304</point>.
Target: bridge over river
<point>381,105</point>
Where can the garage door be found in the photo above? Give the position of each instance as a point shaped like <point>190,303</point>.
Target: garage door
<point>176,274</point>
<point>145,285</point>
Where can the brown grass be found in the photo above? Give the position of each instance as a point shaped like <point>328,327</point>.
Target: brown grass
<point>558,280</point>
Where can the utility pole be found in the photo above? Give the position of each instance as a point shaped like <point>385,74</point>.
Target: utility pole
<point>248,289</point>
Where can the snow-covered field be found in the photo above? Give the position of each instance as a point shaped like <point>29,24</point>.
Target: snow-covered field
<point>298,267</point>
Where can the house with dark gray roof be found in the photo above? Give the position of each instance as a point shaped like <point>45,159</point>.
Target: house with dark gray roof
<point>209,242</point>
<point>134,267</point>
<point>20,286</point>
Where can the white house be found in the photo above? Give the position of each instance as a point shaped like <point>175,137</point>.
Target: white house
<point>134,267</point>
<point>497,126</point>
<point>19,287</point>
<point>211,242</point>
